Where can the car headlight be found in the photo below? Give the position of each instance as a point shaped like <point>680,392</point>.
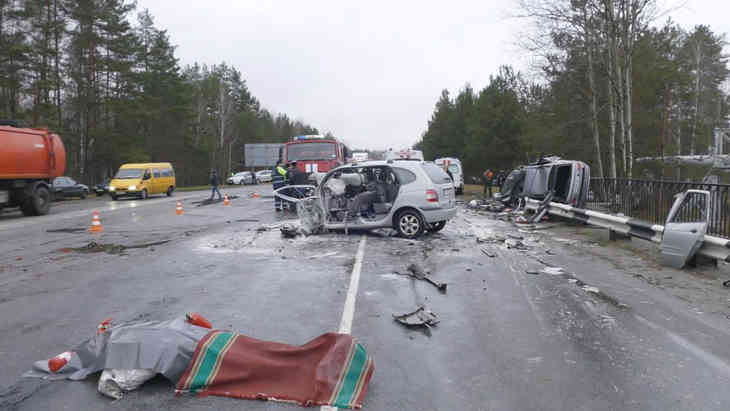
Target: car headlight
<point>132,188</point>
<point>111,188</point>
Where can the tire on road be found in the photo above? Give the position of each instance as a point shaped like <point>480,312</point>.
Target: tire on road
<point>170,190</point>
<point>409,224</point>
<point>144,194</point>
<point>113,196</point>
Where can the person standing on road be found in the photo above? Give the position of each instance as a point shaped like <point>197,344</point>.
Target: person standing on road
<point>488,179</point>
<point>278,180</point>
<point>214,184</point>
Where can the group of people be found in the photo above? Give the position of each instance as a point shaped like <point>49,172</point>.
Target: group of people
<point>288,175</point>
<point>491,178</point>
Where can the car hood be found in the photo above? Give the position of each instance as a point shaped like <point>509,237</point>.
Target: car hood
<point>125,183</point>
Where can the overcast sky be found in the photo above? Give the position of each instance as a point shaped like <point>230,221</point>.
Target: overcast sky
<point>370,73</point>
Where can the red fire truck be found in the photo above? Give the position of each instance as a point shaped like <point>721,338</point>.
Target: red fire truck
<point>315,153</point>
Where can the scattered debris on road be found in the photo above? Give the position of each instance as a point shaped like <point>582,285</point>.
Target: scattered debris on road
<point>94,247</point>
<point>209,201</point>
<point>421,317</point>
<point>417,272</point>
<point>289,230</point>
<point>488,253</point>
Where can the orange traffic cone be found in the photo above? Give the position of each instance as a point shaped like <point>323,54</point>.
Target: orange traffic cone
<point>255,195</point>
<point>178,209</point>
<point>226,201</point>
<point>95,224</point>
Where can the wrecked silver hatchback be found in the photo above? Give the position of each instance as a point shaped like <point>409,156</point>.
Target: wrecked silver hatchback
<point>409,196</point>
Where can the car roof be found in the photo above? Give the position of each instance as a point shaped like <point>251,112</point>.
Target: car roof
<point>381,163</point>
<point>145,165</point>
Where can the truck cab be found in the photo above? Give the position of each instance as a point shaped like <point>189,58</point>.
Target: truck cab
<point>314,153</point>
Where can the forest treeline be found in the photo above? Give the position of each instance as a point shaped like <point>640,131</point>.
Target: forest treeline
<point>615,86</point>
<point>105,78</point>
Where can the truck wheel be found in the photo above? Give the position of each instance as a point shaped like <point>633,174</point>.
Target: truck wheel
<point>38,203</point>
<point>409,224</point>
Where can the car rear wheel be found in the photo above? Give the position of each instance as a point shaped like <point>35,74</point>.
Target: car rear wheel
<point>114,197</point>
<point>169,191</point>
<point>409,224</point>
<point>144,194</point>
<point>436,227</point>
<point>83,195</point>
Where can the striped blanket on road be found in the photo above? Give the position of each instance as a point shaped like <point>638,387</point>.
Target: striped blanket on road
<point>333,369</point>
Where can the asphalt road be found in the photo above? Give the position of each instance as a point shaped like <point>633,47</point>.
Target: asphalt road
<point>614,331</point>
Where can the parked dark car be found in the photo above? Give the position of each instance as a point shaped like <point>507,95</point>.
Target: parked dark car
<point>67,187</point>
<point>102,188</point>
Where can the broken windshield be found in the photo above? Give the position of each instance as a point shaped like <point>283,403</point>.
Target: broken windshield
<point>129,173</point>
<point>310,151</point>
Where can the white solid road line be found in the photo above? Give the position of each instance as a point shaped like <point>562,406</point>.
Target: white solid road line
<point>349,311</point>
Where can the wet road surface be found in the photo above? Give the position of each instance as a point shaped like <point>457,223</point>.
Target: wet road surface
<point>612,331</point>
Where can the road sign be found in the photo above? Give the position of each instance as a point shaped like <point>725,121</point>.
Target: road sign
<point>261,155</point>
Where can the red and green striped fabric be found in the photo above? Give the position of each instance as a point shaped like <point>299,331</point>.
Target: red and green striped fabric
<point>333,369</point>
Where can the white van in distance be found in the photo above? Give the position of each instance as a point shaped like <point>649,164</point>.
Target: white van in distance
<point>455,169</point>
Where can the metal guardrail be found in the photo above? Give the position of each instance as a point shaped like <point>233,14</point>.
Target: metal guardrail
<point>651,200</point>
<point>712,247</point>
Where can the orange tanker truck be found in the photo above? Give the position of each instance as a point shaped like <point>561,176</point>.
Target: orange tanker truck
<point>30,158</point>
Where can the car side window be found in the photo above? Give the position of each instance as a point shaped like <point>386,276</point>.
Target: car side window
<point>156,173</point>
<point>404,176</point>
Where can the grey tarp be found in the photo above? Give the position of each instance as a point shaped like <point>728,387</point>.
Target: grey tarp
<point>163,346</point>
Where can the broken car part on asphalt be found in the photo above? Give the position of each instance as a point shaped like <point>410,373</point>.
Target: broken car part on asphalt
<point>421,317</point>
<point>417,272</point>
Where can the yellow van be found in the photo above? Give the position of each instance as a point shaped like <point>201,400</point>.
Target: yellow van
<point>143,180</point>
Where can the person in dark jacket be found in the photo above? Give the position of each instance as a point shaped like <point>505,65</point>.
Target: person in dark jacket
<point>294,176</point>
<point>214,184</point>
<point>278,180</point>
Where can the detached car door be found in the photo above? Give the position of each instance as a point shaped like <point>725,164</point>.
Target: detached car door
<point>685,228</point>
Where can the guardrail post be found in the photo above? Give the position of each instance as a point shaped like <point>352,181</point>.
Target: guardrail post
<point>615,236</point>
